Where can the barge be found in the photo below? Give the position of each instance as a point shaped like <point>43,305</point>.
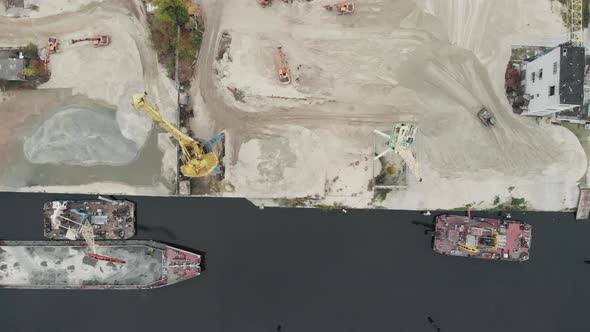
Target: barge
<point>109,219</point>
<point>487,238</point>
<point>135,264</point>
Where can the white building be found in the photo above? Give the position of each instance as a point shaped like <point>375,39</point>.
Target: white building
<point>554,81</point>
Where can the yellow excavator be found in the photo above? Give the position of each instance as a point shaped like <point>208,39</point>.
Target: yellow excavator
<point>196,163</point>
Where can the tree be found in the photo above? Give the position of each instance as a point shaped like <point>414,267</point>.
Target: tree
<point>174,9</point>
<point>163,33</point>
<point>30,71</point>
<point>168,16</point>
<point>31,51</point>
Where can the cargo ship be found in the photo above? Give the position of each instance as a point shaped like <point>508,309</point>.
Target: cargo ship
<point>487,238</point>
<point>131,264</point>
<point>109,219</point>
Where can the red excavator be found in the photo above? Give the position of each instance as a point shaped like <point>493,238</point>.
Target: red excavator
<point>284,74</point>
<point>341,8</point>
<point>52,45</point>
<point>100,40</point>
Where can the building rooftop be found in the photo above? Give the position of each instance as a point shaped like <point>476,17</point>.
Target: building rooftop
<point>571,80</point>
<point>12,69</point>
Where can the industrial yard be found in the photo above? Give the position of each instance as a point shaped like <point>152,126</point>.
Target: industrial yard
<point>311,140</point>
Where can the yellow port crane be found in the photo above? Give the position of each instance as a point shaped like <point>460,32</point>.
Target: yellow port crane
<point>575,21</point>
<point>196,163</point>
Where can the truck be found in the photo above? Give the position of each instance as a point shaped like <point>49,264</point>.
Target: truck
<point>486,117</point>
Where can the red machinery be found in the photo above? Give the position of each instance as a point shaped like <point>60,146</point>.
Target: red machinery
<point>104,258</point>
<point>101,40</point>
<point>341,8</point>
<point>52,46</point>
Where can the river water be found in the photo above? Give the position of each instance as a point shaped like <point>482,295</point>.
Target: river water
<point>311,270</point>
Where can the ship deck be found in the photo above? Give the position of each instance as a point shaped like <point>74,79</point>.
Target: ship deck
<point>482,238</point>
<point>55,266</point>
<point>117,219</point>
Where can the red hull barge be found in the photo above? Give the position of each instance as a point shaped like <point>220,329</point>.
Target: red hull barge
<point>485,238</point>
<point>67,265</point>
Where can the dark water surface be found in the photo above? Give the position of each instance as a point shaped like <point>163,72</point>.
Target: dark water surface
<point>312,270</point>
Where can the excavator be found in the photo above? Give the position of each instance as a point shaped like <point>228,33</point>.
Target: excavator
<point>284,74</point>
<point>100,40</point>
<point>341,8</point>
<point>196,163</point>
<point>85,230</point>
<point>52,46</point>
<point>400,142</point>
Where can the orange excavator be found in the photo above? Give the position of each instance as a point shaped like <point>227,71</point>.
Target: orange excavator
<point>52,46</point>
<point>101,40</point>
<point>341,8</point>
<point>284,74</point>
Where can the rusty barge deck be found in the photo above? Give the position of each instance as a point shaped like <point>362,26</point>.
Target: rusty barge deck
<point>110,219</point>
<point>486,238</point>
<point>64,265</point>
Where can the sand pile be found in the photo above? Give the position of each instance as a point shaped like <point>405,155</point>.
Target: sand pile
<point>80,136</point>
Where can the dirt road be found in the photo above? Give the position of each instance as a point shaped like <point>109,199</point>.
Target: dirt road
<point>428,61</point>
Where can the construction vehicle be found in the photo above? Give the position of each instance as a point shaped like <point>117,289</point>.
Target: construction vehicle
<point>400,141</point>
<point>341,8</point>
<point>486,117</point>
<point>196,162</point>
<point>84,228</point>
<point>284,73</point>
<point>52,47</point>
<point>100,40</point>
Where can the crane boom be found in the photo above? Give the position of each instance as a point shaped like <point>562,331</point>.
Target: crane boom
<point>575,21</point>
<point>197,163</point>
<point>141,102</point>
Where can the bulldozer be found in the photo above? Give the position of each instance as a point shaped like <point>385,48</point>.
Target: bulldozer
<point>100,40</point>
<point>52,47</point>
<point>341,8</point>
<point>196,162</point>
<point>284,73</point>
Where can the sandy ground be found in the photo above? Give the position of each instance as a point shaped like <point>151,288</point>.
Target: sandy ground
<point>435,62</point>
<point>29,105</point>
<point>103,188</point>
<point>46,8</point>
<point>108,75</point>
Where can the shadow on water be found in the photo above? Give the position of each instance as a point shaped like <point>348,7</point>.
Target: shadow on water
<point>156,232</point>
